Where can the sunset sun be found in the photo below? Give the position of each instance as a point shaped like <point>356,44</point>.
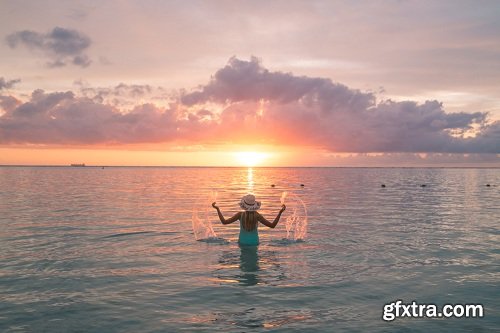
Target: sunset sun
<point>250,158</point>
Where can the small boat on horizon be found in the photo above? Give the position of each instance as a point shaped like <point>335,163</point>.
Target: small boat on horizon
<point>77,164</point>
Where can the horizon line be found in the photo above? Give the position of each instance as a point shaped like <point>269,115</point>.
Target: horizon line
<point>257,167</point>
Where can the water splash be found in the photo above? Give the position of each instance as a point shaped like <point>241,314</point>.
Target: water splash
<point>202,225</point>
<point>283,197</point>
<point>296,222</point>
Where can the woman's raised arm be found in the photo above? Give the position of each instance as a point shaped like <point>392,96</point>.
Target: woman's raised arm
<point>273,224</point>
<point>232,219</point>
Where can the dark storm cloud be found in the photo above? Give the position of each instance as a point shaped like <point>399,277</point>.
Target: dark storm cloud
<point>63,46</point>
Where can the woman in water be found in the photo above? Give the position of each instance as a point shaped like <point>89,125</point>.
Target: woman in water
<point>249,219</point>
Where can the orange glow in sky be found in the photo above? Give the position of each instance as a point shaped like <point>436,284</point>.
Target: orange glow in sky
<point>233,156</point>
<point>228,156</point>
<point>80,86</point>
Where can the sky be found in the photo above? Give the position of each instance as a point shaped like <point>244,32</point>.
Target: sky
<point>250,83</point>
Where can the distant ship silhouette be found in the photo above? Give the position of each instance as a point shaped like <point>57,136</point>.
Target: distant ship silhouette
<point>77,164</point>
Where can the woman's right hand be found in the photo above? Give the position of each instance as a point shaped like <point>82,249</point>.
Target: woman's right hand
<point>213,205</point>
<point>283,208</point>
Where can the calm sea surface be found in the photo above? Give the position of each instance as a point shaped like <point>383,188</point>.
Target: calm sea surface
<point>113,250</point>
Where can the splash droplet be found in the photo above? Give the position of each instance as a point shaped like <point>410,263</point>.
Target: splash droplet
<point>296,222</point>
<point>202,225</point>
<point>283,197</point>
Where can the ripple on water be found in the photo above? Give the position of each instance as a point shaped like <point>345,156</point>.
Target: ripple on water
<point>113,250</point>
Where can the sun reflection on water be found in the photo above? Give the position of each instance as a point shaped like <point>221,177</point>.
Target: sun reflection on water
<point>250,181</point>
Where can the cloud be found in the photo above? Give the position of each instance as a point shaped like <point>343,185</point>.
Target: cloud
<point>317,111</point>
<point>62,46</point>
<point>7,84</point>
<point>121,95</point>
<point>8,103</point>
<point>245,103</point>
<point>65,119</point>
<point>120,90</point>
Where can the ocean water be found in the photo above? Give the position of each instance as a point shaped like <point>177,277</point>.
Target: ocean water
<point>113,250</point>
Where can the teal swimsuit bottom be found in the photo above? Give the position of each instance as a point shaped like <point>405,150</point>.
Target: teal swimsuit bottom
<point>248,237</point>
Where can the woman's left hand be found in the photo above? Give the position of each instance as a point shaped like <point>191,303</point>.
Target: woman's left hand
<point>283,208</point>
<point>213,205</point>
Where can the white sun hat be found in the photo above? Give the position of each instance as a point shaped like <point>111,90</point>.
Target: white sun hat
<point>249,203</point>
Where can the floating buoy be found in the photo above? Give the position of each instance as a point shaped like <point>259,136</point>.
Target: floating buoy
<point>272,185</point>
<point>302,185</point>
<point>383,185</point>
<point>488,185</point>
<point>423,185</point>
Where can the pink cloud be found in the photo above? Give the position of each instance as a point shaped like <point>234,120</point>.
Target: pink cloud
<point>331,115</point>
<point>62,118</point>
<point>246,103</point>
